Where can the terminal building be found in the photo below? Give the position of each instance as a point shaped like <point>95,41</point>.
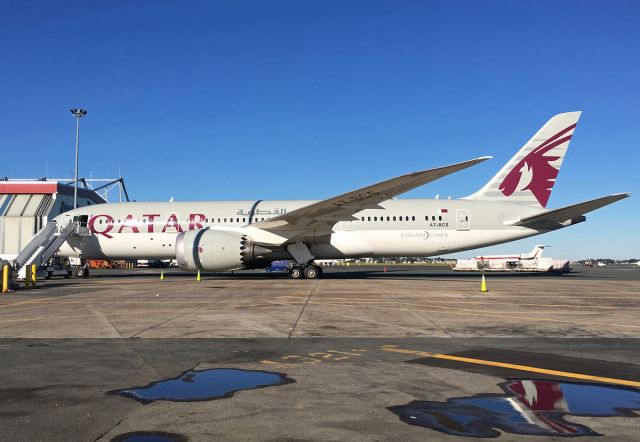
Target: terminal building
<point>26,206</point>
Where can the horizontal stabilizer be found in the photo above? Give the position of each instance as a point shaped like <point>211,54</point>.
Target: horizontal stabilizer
<point>569,213</point>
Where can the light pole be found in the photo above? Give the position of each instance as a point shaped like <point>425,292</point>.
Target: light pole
<point>78,113</point>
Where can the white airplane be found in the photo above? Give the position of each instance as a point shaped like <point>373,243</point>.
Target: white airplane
<point>368,222</point>
<point>535,253</point>
<point>500,262</point>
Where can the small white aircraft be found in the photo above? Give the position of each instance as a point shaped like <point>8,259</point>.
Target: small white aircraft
<point>535,253</point>
<point>499,262</point>
<point>368,222</point>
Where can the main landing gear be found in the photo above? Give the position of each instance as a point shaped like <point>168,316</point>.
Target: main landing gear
<point>301,254</point>
<point>310,271</point>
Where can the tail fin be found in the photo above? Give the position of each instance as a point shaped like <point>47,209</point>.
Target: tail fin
<point>530,175</point>
<point>535,253</point>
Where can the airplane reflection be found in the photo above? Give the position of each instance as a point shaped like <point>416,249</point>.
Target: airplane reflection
<point>527,407</point>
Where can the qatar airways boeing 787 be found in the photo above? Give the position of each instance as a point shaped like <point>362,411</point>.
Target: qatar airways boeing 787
<point>229,235</point>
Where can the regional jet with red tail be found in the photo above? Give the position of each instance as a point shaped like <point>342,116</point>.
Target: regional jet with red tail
<point>368,222</point>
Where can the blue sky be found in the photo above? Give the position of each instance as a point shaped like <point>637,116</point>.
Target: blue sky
<point>302,99</point>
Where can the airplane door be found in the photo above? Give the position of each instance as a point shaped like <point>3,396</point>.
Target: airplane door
<point>462,219</point>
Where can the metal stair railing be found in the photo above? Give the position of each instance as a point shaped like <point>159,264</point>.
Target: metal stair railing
<point>53,245</point>
<point>43,247</point>
<point>41,237</point>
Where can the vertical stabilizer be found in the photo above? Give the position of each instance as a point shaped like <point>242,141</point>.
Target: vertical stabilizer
<point>535,253</point>
<point>529,176</point>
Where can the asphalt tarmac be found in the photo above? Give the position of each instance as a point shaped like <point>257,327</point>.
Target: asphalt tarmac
<point>414,353</point>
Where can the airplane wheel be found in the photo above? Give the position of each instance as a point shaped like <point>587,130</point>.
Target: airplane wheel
<point>80,271</point>
<point>312,272</point>
<point>296,273</point>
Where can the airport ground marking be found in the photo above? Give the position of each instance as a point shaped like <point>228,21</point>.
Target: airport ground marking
<point>567,374</point>
<point>428,304</point>
<point>31,301</point>
<point>488,301</point>
<point>496,314</point>
<point>315,357</point>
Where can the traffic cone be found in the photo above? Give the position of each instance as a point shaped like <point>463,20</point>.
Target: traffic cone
<point>198,277</point>
<point>483,286</point>
<point>161,276</point>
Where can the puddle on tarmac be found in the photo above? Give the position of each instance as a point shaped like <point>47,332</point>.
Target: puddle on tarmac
<point>204,385</point>
<point>528,407</point>
<point>149,436</point>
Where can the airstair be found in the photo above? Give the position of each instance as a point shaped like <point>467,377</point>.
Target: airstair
<point>44,245</point>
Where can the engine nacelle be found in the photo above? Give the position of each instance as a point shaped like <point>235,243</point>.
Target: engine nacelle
<point>216,250</point>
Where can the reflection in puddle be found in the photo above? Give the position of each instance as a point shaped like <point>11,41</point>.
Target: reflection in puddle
<point>530,407</point>
<point>204,385</point>
<point>149,436</point>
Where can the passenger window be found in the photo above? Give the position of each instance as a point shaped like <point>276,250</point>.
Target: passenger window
<point>369,219</point>
<point>225,220</point>
<point>433,218</point>
<point>394,218</point>
<point>375,218</point>
<point>413,218</point>
<point>388,218</point>
<point>466,218</point>
<point>440,218</point>
<point>400,218</point>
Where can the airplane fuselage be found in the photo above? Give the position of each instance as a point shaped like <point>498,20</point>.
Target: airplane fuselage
<point>407,227</point>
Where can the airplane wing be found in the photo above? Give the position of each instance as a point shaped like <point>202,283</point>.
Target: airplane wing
<point>551,218</point>
<point>342,207</point>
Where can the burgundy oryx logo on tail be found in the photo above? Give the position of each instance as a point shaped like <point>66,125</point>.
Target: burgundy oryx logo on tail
<point>535,171</point>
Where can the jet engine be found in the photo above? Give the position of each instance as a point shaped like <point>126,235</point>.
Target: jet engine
<point>217,250</point>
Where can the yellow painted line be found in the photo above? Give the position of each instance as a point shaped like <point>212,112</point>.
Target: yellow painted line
<point>31,301</point>
<point>585,377</point>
